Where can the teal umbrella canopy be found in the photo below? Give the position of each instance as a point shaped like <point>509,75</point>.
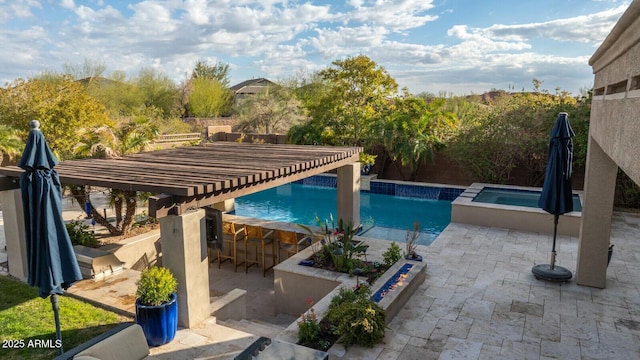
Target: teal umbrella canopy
<point>557,194</point>
<point>52,264</point>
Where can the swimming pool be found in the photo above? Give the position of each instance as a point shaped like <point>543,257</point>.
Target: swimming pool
<point>391,216</point>
<point>516,197</point>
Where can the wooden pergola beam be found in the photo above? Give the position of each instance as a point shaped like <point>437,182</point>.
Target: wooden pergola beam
<point>197,176</point>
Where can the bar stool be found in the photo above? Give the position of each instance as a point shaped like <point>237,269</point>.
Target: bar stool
<point>231,235</point>
<point>288,241</point>
<point>255,237</point>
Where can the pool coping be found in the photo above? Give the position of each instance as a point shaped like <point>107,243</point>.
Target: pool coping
<point>371,184</point>
<point>466,211</point>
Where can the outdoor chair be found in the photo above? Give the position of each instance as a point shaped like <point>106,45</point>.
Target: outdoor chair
<point>231,235</point>
<point>257,238</point>
<point>289,242</point>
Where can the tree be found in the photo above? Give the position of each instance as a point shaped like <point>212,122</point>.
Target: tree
<point>209,98</point>
<point>122,97</point>
<point>217,71</point>
<point>61,104</point>
<point>515,132</point>
<point>89,70</point>
<point>129,137</point>
<point>159,92</point>
<point>415,130</point>
<point>358,93</point>
<point>11,144</point>
<point>275,109</point>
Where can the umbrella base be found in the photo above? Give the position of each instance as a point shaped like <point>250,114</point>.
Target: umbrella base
<point>545,272</point>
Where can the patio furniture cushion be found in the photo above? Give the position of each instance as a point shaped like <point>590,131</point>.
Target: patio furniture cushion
<point>128,343</point>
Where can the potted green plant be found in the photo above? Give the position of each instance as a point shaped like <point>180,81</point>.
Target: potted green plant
<point>157,305</point>
<point>366,161</point>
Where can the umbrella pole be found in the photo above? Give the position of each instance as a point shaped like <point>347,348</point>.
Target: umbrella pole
<point>56,307</point>
<point>553,248</point>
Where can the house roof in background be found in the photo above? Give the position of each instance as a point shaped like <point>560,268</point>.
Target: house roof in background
<point>252,86</point>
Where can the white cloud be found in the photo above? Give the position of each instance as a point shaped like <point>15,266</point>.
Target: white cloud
<point>341,41</point>
<point>394,15</point>
<point>197,11</point>
<point>591,28</point>
<point>278,37</point>
<point>67,4</point>
<point>18,9</point>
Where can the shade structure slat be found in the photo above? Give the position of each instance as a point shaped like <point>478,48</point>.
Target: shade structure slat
<point>219,170</point>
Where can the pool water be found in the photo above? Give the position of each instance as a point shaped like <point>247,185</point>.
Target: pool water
<point>516,197</point>
<point>383,216</point>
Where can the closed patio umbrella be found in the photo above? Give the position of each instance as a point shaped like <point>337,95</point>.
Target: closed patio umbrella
<point>52,264</point>
<point>557,194</point>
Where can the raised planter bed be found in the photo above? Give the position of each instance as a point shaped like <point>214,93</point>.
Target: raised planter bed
<point>294,283</point>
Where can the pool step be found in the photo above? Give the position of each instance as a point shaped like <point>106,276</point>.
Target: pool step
<point>255,327</point>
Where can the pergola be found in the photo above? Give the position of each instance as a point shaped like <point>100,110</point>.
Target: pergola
<point>186,179</point>
<point>196,176</point>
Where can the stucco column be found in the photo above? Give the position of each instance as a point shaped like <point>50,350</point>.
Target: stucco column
<point>184,252</point>
<point>595,228</point>
<point>348,193</point>
<point>13,218</point>
<point>226,205</point>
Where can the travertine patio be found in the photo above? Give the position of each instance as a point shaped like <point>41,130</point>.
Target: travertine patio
<point>480,301</point>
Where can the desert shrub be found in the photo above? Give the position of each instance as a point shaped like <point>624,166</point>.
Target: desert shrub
<point>356,318</point>
<point>392,255</point>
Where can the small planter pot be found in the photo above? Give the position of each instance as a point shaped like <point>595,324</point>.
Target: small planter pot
<point>365,169</point>
<point>413,258</point>
<point>159,323</point>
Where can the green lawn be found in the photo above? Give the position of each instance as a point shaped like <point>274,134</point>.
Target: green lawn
<point>26,318</point>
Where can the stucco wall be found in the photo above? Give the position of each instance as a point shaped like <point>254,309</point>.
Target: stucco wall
<point>614,132</point>
<point>615,111</point>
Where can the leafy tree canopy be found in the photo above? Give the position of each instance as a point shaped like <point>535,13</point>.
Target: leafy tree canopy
<point>515,131</point>
<point>60,104</point>
<point>358,92</point>
<point>275,109</point>
<point>159,92</point>
<point>11,144</point>
<point>209,98</point>
<point>218,71</point>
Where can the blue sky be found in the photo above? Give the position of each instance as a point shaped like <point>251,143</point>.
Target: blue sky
<point>453,46</point>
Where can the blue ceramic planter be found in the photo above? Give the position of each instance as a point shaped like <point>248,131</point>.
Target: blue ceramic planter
<point>159,323</point>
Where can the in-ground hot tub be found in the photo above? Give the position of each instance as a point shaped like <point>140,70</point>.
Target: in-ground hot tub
<point>511,207</point>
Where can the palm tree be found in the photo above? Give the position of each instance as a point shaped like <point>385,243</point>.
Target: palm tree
<point>10,143</point>
<point>415,130</point>
<point>105,142</point>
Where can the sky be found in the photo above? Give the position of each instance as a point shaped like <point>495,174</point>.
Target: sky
<point>458,47</point>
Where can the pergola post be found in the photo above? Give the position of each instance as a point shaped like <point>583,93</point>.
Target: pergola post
<point>184,252</point>
<point>348,193</point>
<point>595,228</point>
<point>13,216</point>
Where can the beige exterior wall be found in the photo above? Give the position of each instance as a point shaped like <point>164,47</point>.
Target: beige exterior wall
<point>14,233</point>
<point>185,254</point>
<point>614,133</point>
<point>348,193</point>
